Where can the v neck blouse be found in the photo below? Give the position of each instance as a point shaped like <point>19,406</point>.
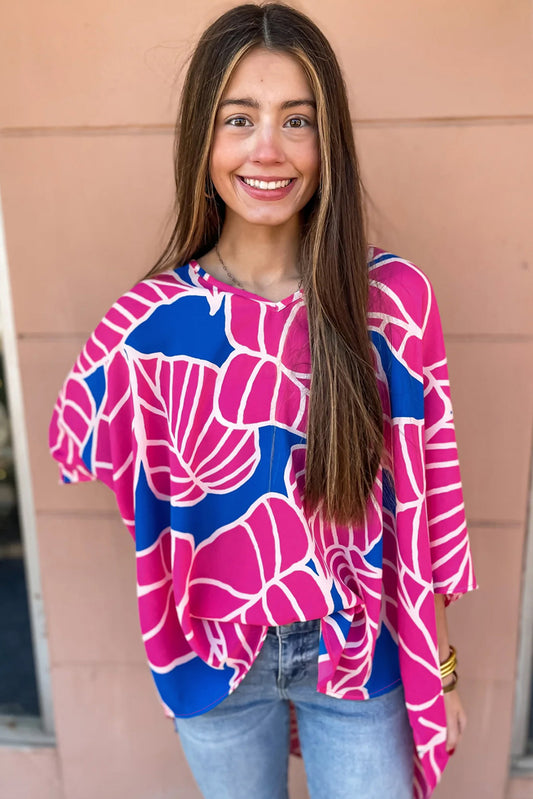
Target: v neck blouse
<point>218,286</point>
<point>190,402</point>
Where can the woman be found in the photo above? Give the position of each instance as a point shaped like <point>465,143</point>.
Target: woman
<point>291,482</point>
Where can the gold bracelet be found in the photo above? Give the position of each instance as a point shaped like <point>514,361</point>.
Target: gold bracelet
<point>452,686</point>
<point>448,666</point>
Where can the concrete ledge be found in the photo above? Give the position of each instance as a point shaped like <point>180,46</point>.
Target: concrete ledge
<point>24,732</point>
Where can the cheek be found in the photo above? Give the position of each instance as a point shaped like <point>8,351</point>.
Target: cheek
<point>313,158</point>
<point>215,166</point>
<point>313,164</point>
<point>224,157</point>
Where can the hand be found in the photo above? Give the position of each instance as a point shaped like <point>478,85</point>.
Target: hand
<point>455,719</point>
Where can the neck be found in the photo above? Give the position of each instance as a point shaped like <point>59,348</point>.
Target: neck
<point>260,255</point>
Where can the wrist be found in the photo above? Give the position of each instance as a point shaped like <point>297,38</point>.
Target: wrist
<point>448,671</point>
<point>449,680</point>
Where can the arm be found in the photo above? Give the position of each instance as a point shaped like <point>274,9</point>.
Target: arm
<point>455,714</point>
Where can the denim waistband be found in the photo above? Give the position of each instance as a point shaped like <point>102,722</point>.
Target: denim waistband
<point>313,625</point>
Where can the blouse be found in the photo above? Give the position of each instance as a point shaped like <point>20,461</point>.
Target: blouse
<point>189,401</point>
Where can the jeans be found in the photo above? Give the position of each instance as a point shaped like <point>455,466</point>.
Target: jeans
<point>358,749</point>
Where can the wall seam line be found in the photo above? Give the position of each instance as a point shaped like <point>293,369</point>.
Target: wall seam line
<point>30,131</point>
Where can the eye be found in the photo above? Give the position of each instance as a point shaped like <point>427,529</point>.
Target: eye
<point>297,122</point>
<point>238,122</point>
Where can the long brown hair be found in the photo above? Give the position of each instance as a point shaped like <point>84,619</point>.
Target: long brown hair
<point>345,422</point>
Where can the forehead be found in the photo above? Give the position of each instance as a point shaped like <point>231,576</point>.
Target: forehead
<point>270,73</point>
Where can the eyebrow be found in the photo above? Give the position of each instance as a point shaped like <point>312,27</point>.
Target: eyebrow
<point>247,102</point>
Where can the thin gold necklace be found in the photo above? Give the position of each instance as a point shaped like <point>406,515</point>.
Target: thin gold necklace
<point>226,270</point>
<point>233,278</point>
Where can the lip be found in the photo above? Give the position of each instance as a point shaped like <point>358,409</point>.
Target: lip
<point>266,178</point>
<point>267,195</point>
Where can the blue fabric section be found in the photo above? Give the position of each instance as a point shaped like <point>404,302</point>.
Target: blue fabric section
<point>344,626</point>
<point>343,623</point>
<point>336,597</point>
<point>97,384</point>
<point>193,687</point>
<point>406,393</point>
<point>184,328</point>
<point>374,556</point>
<point>389,494</point>
<point>86,455</point>
<point>387,256</point>
<point>385,666</point>
<point>310,565</point>
<point>152,515</point>
<point>185,273</point>
<point>216,510</point>
<point>282,443</point>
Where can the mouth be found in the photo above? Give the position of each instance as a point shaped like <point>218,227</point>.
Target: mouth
<point>266,185</point>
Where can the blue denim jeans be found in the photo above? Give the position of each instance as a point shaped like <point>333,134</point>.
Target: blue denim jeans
<point>351,748</point>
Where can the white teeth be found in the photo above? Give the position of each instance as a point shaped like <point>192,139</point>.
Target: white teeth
<point>263,184</point>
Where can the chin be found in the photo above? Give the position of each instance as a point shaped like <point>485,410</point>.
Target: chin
<point>271,221</point>
<point>267,216</point>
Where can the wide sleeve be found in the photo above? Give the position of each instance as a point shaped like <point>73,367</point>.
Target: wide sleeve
<point>451,559</point>
<point>90,433</point>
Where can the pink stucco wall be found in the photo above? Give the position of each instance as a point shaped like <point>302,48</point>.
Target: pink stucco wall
<point>442,95</point>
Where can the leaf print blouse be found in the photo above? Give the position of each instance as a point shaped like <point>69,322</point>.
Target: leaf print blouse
<point>190,402</point>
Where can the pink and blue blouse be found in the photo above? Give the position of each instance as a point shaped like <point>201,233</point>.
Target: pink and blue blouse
<point>190,402</point>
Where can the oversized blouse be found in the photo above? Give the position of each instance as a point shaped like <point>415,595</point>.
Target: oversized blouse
<point>190,401</point>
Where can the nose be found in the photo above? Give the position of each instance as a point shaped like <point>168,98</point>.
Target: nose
<point>267,145</point>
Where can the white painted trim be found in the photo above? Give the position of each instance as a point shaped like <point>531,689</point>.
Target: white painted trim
<point>523,767</point>
<point>24,732</point>
<point>523,696</point>
<point>25,494</point>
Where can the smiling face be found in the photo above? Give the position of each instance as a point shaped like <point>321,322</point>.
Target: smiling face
<point>264,159</point>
